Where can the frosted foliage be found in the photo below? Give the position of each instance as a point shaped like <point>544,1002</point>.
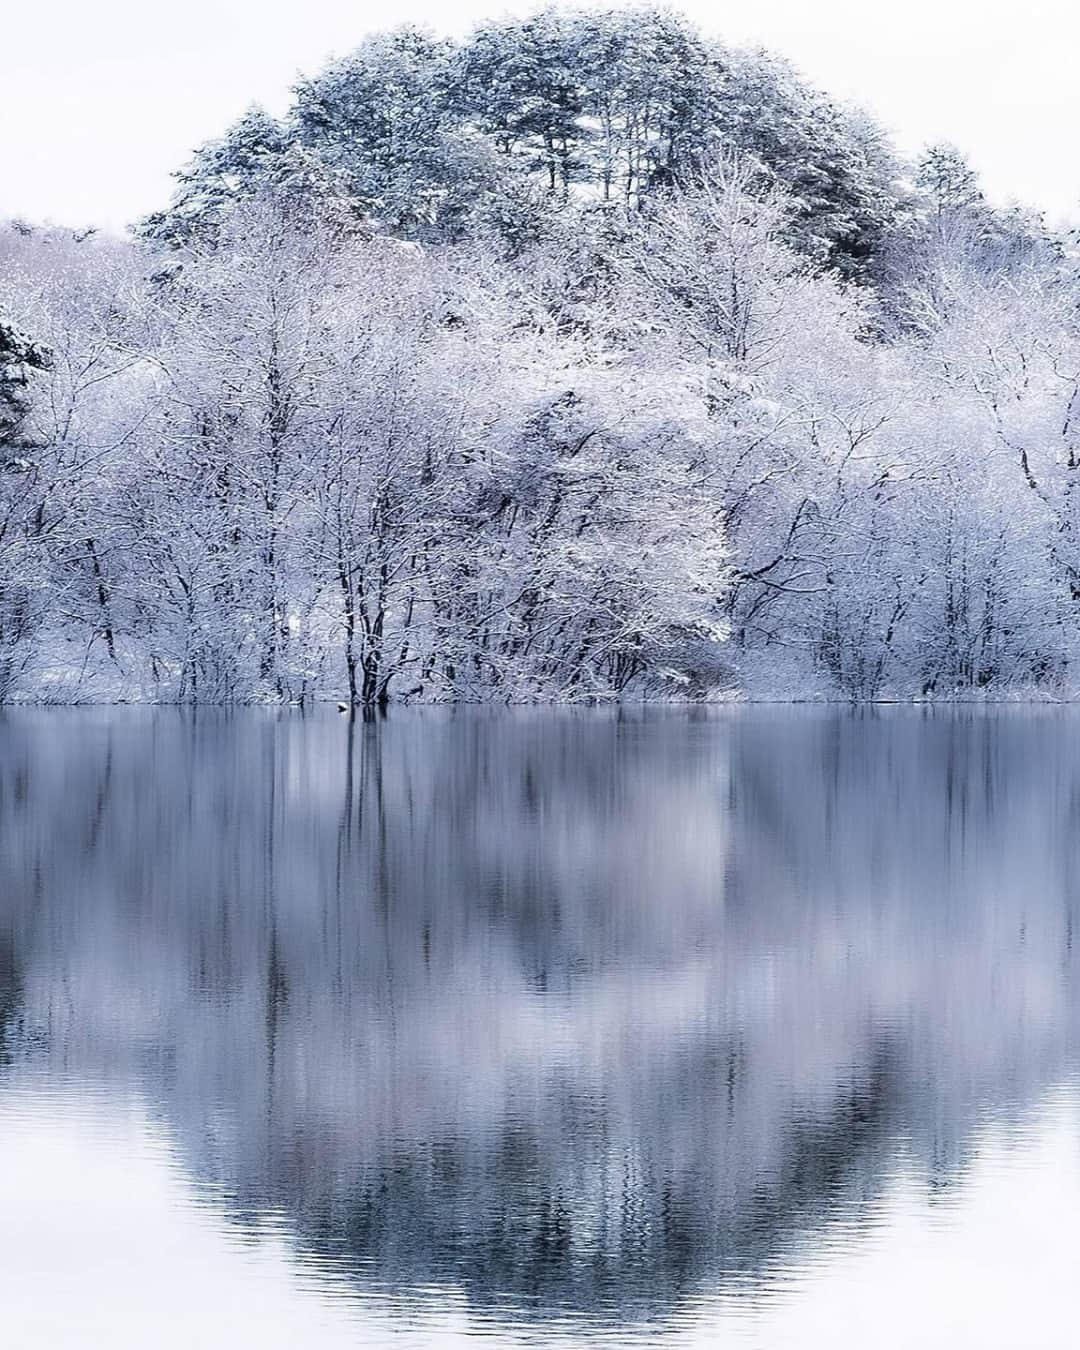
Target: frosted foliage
<point>551,368</point>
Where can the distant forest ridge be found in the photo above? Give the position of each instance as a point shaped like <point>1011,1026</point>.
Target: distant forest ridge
<point>583,358</point>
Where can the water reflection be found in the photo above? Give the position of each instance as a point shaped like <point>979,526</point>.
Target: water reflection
<point>586,1020</point>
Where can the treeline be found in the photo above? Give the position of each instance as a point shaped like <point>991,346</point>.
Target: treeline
<point>583,358</point>
<point>428,139</point>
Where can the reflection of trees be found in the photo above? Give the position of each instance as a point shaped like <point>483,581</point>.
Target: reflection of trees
<point>562,1006</point>
<point>10,987</point>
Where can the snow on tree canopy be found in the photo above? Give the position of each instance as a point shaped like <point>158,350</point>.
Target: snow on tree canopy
<point>582,359</point>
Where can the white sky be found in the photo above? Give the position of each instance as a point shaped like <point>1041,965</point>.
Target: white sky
<point>100,99</point>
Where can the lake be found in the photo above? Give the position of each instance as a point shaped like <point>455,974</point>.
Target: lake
<point>749,1027</point>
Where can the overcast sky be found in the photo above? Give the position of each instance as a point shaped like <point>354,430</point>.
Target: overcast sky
<point>102,98</point>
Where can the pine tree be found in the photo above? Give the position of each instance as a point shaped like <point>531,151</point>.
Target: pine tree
<point>385,119</point>
<point>944,176</point>
<point>19,358</point>
<point>256,157</point>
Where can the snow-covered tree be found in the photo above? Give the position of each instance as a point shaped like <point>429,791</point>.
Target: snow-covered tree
<point>584,358</point>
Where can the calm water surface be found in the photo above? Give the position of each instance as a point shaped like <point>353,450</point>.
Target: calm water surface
<point>755,1028</point>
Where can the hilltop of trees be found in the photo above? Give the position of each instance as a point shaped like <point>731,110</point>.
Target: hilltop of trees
<point>582,358</point>
<point>432,140</point>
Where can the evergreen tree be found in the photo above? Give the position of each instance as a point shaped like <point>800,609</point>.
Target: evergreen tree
<point>427,139</point>
<point>520,82</point>
<point>385,119</point>
<point>946,179</point>
<point>19,358</point>
<point>256,157</point>
<point>833,162</point>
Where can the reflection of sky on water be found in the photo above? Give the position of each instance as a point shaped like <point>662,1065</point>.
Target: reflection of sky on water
<point>575,1022</point>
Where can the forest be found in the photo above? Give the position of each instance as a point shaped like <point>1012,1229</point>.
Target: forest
<point>581,358</point>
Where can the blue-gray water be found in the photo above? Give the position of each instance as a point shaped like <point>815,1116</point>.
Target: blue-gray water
<point>749,1028</point>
